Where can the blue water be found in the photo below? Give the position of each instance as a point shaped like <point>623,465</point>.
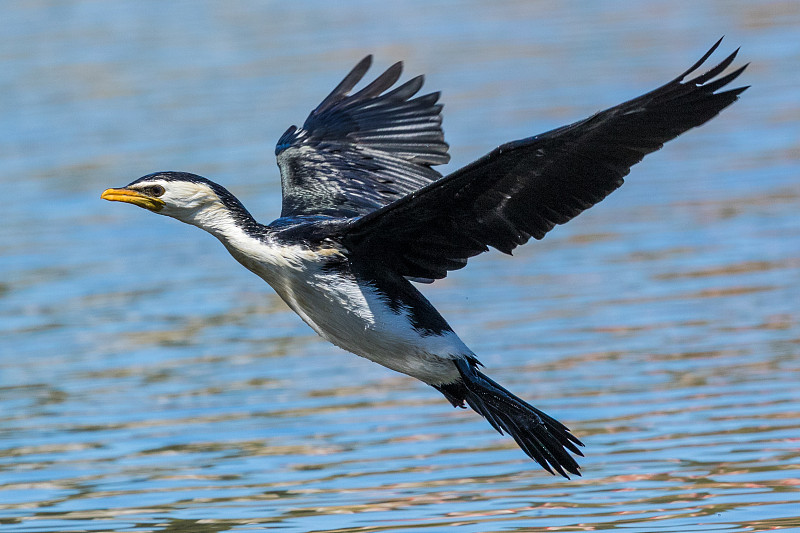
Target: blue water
<point>149,383</point>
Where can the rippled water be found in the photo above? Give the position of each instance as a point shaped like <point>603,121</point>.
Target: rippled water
<point>148,383</point>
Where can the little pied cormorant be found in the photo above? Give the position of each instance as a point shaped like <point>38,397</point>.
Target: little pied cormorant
<point>364,214</point>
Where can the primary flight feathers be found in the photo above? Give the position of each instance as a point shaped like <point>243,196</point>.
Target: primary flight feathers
<point>370,154</point>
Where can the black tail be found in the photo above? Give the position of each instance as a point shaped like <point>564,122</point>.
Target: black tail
<point>543,438</point>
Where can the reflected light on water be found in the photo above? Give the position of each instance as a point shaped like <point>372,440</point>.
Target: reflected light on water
<point>147,383</point>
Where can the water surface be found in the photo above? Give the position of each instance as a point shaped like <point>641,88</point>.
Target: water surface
<point>149,383</point>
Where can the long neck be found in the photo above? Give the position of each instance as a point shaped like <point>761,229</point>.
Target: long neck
<point>252,244</point>
<point>227,220</point>
<point>224,220</point>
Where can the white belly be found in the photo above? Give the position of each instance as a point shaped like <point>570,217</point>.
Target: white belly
<point>356,318</point>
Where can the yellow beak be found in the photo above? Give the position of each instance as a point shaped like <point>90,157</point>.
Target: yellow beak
<point>133,197</point>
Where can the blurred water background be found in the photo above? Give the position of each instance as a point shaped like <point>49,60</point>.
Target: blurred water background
<point>149,383</point>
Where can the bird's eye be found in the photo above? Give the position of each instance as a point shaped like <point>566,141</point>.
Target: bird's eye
<point>154,190</point>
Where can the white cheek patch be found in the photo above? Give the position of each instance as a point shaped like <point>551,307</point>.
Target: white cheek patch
<point>196,204</point>
<point>190,195</point>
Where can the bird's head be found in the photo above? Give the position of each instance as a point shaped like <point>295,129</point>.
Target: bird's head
<point>187,197</point>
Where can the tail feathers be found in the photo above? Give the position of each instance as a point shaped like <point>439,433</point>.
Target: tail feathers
<point>546,440</point>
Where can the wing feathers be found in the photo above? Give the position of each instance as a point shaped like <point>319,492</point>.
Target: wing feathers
<point>358,152</point>
<point>525,188</point>
<point>380,84</point>
<point>346,85</point>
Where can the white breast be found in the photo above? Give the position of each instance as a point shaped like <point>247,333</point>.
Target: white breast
<point>354,316</point>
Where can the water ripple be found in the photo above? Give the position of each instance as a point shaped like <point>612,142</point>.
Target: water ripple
<point>149,384</point>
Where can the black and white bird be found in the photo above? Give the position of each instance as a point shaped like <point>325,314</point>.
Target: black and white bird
<point>365,214</point>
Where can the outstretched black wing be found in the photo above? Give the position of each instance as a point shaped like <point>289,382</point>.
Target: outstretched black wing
<point>524,188</point>
<point>356,153</point>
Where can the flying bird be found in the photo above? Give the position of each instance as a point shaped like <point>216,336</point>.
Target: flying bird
<point>365,216</point>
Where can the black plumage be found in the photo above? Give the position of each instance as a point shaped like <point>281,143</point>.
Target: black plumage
<point>525,188</point>
<point>358,152</point>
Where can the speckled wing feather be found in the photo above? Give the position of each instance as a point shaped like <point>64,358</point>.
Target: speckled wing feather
<point>356,153</point>
<point>524,188</point>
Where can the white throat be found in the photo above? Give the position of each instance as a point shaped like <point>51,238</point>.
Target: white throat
<point>213,217</point>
